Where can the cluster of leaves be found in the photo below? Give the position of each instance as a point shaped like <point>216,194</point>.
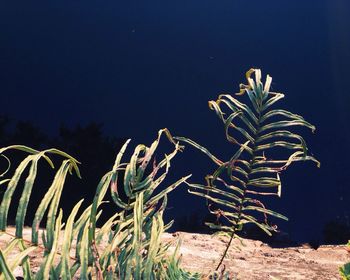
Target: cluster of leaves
<point>345,269</point>
<point>236,186</point>
<point>127,246</point>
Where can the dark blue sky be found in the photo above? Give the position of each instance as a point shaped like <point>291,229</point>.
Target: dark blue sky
<point>138,66</point>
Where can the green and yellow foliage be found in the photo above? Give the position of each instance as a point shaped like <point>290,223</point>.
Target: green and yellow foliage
<point>129,245</point>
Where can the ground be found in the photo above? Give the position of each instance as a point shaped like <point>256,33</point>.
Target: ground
<point>254,260</point>
<point>258,261</point>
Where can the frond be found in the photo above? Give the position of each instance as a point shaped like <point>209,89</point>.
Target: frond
<point>258,130</point>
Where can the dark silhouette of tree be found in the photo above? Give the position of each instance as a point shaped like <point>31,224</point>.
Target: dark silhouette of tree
<point>21,133</point>
<point>4,123</point>
<point>336,232</point>
<point>95,151</point>
<point>195,222</point>
<point>26,133</point>
<point>191,223</point>
<point>88,144</point>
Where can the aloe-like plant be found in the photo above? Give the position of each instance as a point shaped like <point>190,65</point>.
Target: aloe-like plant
<point>345,269</point>
<point>257,129</point>
<point>50,203</point>
<point>136,237</point>
<point>127,246</point>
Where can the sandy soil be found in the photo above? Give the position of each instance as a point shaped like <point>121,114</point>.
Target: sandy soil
<point>258,261</point>
<point>255,260</point>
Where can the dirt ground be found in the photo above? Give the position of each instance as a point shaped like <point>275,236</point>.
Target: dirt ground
<point>255,260</point>
<point>258,261</point>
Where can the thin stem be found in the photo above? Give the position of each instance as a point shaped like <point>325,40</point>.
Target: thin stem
<point>226,250</point>
<point>242,199</point>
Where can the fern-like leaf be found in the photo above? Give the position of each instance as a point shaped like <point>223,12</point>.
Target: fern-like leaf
<point>258,131</point>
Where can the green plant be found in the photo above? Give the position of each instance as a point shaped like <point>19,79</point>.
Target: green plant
<point>127,246</point>
<point>252,172</point>
<point>345,269</point>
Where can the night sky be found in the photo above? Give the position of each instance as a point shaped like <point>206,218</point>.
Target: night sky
<point>138,66</point>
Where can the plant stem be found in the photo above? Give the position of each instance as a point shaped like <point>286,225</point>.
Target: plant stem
<point>226,250</point>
